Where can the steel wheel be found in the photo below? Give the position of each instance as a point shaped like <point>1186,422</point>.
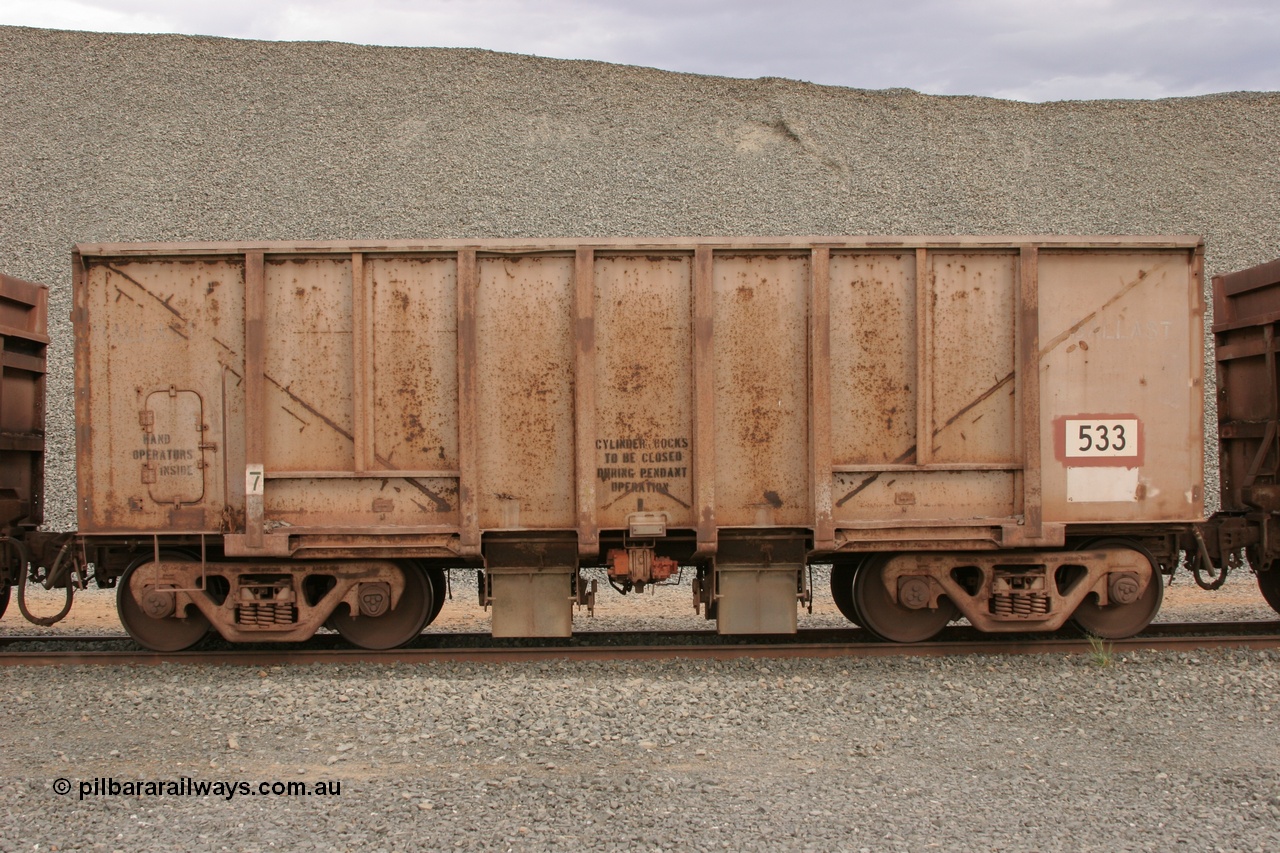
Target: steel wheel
<point>439,589</point>
<point>876,610</point>
<point>398,626</point>
<point>1269,585</point>
<point>10,570</point>
<point>165,634</point>
<point>842,588</point>
<point>1117,621</point>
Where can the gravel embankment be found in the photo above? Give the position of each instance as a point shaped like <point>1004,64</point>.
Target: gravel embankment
<point>140,137</point>
<point>1158,751</point>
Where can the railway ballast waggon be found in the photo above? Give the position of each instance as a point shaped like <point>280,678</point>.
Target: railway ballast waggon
<point>276,437</point>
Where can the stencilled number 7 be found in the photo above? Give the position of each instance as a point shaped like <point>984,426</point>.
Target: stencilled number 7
<point>253,477</point>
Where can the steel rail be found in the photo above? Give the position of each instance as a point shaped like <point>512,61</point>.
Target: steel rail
<point>697,645</point>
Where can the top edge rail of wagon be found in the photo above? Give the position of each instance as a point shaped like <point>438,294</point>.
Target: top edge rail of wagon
<point>30,297</point>
<point>1253,278</point>
<point>527,244</point>
<point>1246,299</point>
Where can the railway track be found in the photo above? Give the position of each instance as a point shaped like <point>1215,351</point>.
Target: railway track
<point>65,650</point>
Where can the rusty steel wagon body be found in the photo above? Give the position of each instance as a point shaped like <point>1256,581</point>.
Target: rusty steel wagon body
<point>1246,324</point>
<point>276,436</point>
<point>23,340</point>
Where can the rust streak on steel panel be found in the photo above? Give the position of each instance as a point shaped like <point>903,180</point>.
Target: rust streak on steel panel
<point>1119,294</point>
<point>924,359</point>
<point>704,381</point>
<point>328,421</point>
<point>867,481</point>
<point>164,303</point>
<point>1027,367</point>
<point>976,401</point>
<point>441,504</point>
<point>255,387</point>
<point>584,399</point>
<point>820,397</point>
<point>468,278</point>
<point>644,385</point>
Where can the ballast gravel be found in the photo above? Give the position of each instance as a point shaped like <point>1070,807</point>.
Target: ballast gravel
<point>112,137</point>
<point>1153,751</point>
<point>1140,751</point>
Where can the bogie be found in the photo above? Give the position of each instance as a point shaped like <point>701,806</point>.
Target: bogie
<point>1110,587</point>
<point>171,603</point>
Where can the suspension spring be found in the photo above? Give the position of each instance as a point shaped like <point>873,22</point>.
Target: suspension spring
<point>1009,604</point>
<point>267,614</point>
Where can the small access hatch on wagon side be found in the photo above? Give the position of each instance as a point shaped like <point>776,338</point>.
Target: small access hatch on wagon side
<point>172,444</point>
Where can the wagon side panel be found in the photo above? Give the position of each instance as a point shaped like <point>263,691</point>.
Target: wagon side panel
<point>160,348</point>
<point>923,386</point>
<point>1121,387</point>
<point>525,404</point>
<point>761,408</point>
<point>643,344</point>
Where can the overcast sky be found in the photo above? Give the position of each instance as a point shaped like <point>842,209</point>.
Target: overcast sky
<point>1018,49</point>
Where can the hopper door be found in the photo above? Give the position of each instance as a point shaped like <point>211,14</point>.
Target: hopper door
<point>172,452</point>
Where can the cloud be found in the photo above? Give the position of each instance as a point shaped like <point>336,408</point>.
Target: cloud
<point>1004,48</point>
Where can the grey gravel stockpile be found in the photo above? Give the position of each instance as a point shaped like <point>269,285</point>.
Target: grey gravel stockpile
<point>1158,751</point>
<point>138,137</point>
